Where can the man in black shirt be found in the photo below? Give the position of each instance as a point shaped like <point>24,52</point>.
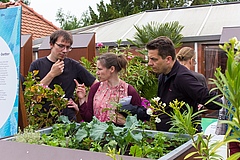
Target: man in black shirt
<point>56,68</point>
<point>175,80</point>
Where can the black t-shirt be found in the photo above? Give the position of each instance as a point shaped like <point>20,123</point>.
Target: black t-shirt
<point>72,70</point>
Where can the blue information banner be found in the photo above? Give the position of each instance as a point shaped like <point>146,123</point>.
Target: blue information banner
<point>10,44</point>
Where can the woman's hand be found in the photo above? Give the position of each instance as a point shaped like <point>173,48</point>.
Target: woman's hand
<point>72,104</point>
<point>80,90</point>
<point>120,119</point>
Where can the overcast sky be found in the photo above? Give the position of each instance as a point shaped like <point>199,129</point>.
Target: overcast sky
<point>48,8</point>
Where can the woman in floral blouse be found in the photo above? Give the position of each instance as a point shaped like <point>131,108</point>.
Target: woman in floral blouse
<point>111,89</point>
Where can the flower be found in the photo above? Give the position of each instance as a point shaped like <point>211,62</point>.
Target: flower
<point>100,44</point>
<point>157,108</point>
<point>157,120</point>
<point>130,57</point>
<point>149,111</point>
<point>145,103</point>
<point>156,99</point>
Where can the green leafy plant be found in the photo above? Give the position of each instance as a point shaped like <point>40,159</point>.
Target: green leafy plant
<point>139,75</point>
<point>36,95</point>
<point>113,154</point>
<point>152,30</point>
<point>132,139</point>
<point>228,83</point>
<point>156,147</point>
<point>89,65</point>
<point>62,134</point>
<point>183,120</point>
<point>28,135</point>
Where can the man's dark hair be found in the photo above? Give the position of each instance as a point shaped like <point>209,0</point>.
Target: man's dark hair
<point>164,45</point>
<point>61,33</point>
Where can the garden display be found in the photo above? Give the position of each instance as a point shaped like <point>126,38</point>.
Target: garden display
<point>133,139</point>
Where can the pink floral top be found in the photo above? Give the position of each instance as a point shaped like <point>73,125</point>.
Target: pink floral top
<point>86,109</point>
<point>105,97</point>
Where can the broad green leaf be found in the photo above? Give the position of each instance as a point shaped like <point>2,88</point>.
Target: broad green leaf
<point>136,137</point>
<point>131,122</point>
<point>64,119</point>
<point>136,151</point>
<point>81,134</point>
<point>97,131</point>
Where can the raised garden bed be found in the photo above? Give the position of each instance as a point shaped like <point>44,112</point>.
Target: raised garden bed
<point>11,150</point>
<point>177,153</point>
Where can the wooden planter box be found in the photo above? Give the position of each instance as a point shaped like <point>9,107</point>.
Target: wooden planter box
<point>12,150</point>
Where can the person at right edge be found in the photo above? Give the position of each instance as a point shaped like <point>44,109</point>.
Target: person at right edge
<point>175,81</point>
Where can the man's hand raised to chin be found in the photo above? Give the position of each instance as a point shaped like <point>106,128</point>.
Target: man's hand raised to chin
<point>56,70</point>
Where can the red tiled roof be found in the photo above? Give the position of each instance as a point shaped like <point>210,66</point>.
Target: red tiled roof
<point>34,23</point>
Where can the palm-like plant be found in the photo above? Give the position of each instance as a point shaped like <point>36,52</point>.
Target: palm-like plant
<point>153,30</point>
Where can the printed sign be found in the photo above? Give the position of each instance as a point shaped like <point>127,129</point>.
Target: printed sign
<point>209,125</point>
<point>10,33</point>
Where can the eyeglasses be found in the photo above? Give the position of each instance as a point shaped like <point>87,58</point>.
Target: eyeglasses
<point>62,47</point>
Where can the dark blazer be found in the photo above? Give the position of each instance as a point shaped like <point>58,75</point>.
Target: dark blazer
<point>200,77</point>
<point>182,85</point>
